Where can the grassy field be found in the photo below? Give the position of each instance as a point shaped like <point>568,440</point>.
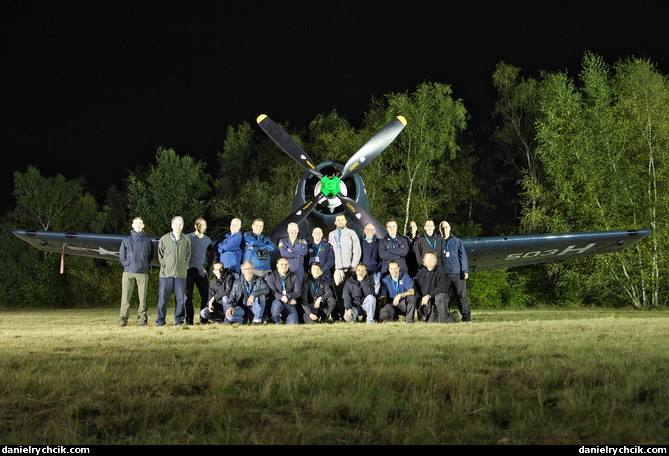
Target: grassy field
<point>511,377</point>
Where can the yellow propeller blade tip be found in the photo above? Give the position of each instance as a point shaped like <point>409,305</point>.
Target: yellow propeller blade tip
<point>402,119</point>
<point>261,117</point>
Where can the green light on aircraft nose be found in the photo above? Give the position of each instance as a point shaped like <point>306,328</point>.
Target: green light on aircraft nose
<point>330,186</point>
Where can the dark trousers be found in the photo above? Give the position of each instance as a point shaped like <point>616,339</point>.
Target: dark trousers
<point>195,278</point>
<point>406,306</point>
<point>436,310</point>
<point>458,293</point>
<point>322,313</point>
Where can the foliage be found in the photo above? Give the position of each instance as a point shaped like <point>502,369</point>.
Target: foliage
<point>603,145</point>
<point>40,200</point>
<point>174,186</point>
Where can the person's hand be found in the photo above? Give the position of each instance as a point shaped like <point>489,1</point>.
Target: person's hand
<point>425,301</point>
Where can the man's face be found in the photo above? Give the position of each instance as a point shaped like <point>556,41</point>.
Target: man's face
<point>177,225</point>
<point>316,271</point>
<point>370,231</point>
<point>430,261</point>
<point>394,270</point>
<point>138,225</point>
<point>282,266</point>
<point>248,270</point>
<point>218,270</point>
<point>317,234</point>
<point>201,227</point>
<point>445,229</point>
<point>361,272</point>
<point>429,227</point>
<point>392,228</point>
<point>340,222</point>
<point>257,227</point>
<point>293,230</point>
<point>235,225</point>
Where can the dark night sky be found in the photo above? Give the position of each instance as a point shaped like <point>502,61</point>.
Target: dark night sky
<point>91,88</point>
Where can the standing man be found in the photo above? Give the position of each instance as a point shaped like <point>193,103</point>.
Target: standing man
<point>246,303</point>
<point>430,241</point>
<point>257,248</point>
<point>318,301</point>
<point>370,255</point>
<point>135,256</point>
<point>346,246</point>
<point>219,290</point>
<point>200,260</point>
<point>295,250</point>
<point>456,267</point>
<point>431,291</point>
<point>286,288</point>
<point>413,236</point>
<point>397,293</point>
<point>359,297</point>
<point>393,247</point>
<point>231,246</point>
<point>174,251</point>
<point>321,252</point>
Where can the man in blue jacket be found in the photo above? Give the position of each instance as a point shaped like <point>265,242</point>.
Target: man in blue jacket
<point>135,255</point>
<point>257,248</point>
<point>295,249</point>
<point>456,266</point>
<point>397,295</point>
<point>231,246</point>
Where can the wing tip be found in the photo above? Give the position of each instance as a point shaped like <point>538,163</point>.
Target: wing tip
<point>261,117</point>
<point>402,119</point>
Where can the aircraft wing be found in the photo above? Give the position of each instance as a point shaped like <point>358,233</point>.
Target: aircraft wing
<point>93,245</point>
<point>487,253</point>
<point>484,253</point>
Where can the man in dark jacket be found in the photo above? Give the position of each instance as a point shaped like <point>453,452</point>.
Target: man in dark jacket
<point>320,251</point>
<point>286,288</point>
<point>358,296</point>
<point>219,290</point>
<point>430,241</point>
<point>431,291</point>
<point>294,249</point>
<point>456,267</point>
<point>246,303</point>
<point>135,255</point>
<point>370,255</point>
<point>393,247</point>
<point>318,299</point>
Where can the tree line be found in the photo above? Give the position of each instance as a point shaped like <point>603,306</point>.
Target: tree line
<point>561,153</point>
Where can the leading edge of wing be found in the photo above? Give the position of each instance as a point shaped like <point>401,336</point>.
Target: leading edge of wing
<point>93,245</point>
<point>486,253</point>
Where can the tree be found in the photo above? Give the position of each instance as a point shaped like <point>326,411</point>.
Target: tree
<point>173,186</point>
<point>603,147</point>
<point>425,167</point>
<point>40,200</point>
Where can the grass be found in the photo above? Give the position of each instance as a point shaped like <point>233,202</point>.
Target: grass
<point>511,377</point>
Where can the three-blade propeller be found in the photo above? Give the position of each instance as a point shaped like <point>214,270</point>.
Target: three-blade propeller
<point>330,187</point>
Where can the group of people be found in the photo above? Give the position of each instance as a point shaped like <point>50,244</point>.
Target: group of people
<point>341,278</point>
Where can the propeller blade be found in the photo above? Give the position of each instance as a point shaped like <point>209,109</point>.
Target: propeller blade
<point>281,229</point>
<point>374,147</point>
<point>287,144</point>
<point>360,216</point>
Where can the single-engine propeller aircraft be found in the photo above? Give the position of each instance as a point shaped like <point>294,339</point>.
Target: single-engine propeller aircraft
<point>330,188</point>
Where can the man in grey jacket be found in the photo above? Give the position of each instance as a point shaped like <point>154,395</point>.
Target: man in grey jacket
<point>347,251</point>
<point>135,255</point>
<point>174,251</point>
